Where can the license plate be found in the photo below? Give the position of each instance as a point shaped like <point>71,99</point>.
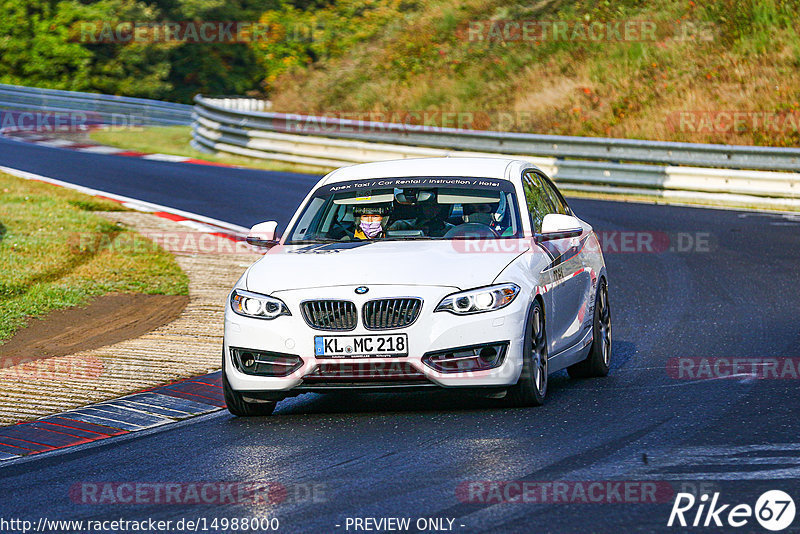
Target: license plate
<point>382,346</point>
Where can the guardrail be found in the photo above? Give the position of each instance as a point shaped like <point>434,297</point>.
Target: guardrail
<point>730,175</point>
<point>103,109</point>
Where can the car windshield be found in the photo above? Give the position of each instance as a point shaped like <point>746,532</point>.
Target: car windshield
<point>409,209</point>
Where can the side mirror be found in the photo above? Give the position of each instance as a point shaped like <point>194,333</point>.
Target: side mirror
<point>557,226</point>
<point>263,234</point>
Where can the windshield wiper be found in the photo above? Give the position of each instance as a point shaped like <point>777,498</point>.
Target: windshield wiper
<point>313,241</point>
<point>409,238</point>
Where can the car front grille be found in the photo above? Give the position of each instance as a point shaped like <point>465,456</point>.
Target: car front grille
<point>330,314</point>
<point>383,314</point>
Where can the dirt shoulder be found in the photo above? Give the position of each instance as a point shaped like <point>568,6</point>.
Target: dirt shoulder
<point>189,345</point>
<point>103,321</point>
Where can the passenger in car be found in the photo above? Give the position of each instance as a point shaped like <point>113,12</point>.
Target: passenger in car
<point>478,213</point>
<point>431,219</point>
<point>485,214</point>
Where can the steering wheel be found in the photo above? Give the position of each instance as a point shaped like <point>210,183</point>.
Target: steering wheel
<point>340,232</point>
<point>471,230</point>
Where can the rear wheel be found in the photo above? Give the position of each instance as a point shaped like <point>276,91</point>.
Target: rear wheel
<point>598,362</point>
<point>531,388</point>
<point>240,407</point>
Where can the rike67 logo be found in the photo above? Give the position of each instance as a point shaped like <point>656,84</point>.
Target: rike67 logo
<point>774,510</point>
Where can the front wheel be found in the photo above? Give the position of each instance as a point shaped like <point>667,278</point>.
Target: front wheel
<point>598,362</point>
<point>531,388</point>
<point>238,406</point>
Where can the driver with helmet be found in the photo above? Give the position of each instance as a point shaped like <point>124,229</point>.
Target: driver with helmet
<point>371,221</point>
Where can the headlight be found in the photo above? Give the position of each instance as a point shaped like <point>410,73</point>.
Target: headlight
<point>258,306</point>
<point>479,300</point>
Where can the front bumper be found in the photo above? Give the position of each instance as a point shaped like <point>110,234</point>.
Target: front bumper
<point>430,332</point>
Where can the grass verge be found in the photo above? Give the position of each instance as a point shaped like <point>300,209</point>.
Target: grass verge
<point>56,252</point>
<point>720,71</point>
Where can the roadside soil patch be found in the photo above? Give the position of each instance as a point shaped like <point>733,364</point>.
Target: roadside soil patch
<point>105,320</point>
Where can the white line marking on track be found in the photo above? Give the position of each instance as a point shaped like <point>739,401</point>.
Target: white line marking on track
<point>56,142</point>
<point>100,149</point>
<point>166,157</point>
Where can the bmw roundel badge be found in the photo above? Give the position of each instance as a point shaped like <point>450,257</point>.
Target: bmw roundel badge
<point>360,290</point>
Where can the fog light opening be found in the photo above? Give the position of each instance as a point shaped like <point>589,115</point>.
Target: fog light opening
<point>465,359</point>
<point>248,360</point>
<point>263,363</point>
<point>488,356</point>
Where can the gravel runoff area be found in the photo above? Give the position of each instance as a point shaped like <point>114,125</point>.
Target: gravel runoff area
<point>188,346</point>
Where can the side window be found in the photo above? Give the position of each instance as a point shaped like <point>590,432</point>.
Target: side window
<point>537,199</point>
<point>309,220</point>
<point>555,197</point>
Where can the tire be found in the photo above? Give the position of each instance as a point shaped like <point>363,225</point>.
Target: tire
<point>531,388</point>
<point>240,407</point>
<point>598,362</point>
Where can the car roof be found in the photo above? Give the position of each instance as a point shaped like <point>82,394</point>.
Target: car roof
<point>495,168</point>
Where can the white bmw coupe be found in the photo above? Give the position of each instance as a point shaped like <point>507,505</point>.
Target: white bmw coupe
<point>443,272</point>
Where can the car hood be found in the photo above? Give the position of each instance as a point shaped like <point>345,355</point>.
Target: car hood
<point>430,263</point>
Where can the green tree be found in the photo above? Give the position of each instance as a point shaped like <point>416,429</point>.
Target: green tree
<point>42,46</point>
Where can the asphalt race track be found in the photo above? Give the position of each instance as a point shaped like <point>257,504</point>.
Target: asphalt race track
<point>239,196</point>
<point>731,294</point>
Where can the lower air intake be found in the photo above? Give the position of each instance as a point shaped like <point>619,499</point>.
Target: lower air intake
<point>358,371</point>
